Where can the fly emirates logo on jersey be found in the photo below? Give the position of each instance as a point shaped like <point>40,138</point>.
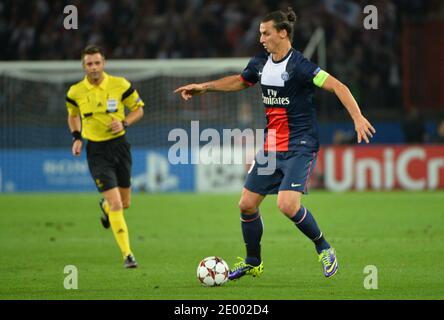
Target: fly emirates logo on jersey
<point>271,99</point>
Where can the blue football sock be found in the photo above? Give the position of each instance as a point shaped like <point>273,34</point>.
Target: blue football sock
<point>252,230</point>
<point>305,221</point>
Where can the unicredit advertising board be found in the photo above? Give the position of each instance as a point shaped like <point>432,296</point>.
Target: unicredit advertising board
<point>343,168</point>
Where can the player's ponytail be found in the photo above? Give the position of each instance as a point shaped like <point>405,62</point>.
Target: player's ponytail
<point>291,16</point>
<point>282,20</point>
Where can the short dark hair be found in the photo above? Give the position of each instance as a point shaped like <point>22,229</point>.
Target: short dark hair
<point>92,49</point>
<point>282,20</point>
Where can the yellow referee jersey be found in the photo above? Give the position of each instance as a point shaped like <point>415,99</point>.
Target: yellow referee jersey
<point>98,105</point>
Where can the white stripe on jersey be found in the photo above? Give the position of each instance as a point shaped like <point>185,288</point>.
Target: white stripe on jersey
<point>272,72</point>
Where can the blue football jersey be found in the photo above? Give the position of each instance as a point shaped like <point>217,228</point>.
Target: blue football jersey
<point>287,94</point>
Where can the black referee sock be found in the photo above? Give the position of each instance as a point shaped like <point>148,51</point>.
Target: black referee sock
<point>305,222</point>
<point>252,229</point>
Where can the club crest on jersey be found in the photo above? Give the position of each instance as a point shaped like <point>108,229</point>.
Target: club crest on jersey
<point>285,76</point>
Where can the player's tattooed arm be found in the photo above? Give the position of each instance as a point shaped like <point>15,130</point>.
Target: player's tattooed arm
<point>230,83</point>
<point>226,84</point>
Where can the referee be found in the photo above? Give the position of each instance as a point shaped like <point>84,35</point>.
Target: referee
<point>96,112</point>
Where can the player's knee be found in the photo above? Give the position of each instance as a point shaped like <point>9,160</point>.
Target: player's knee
<point>247,207</point>
<point>288,208</point>
<point>115,204</point>
<point>126,204</point>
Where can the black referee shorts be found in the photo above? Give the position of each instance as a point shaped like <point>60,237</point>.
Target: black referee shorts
<point>110,163</point>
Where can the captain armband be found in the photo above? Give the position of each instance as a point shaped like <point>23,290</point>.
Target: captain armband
<point>320,78</point>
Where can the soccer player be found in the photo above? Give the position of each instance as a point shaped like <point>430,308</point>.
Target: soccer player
<point>287,80</point>
<point>96,112</point>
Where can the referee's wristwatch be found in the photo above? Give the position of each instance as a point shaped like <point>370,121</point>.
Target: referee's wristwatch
<point>125,124</point>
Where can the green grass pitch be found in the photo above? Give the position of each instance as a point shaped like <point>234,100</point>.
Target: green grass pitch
<point>401,233</point>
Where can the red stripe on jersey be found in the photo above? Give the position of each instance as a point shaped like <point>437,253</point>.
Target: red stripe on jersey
<point>247,82</point>
<point>277,128</point>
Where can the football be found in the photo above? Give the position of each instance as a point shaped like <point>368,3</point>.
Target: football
<point>212,271</point>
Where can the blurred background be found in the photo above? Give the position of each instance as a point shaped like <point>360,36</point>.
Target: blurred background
<point>393,72</point>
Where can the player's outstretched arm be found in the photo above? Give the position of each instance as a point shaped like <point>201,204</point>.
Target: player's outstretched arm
<point>363,127</point>
<point>230,83</point>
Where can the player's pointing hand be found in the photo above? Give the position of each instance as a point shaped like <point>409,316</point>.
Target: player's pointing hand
<point>188,91</point>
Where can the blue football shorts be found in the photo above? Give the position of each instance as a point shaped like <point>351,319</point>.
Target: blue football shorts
<point>292,172</point>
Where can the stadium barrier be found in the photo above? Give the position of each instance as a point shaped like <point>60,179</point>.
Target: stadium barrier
<point>339,168</point>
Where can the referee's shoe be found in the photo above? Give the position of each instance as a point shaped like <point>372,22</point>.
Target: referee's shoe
<point>104,218</point>
<point>130,262</point>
